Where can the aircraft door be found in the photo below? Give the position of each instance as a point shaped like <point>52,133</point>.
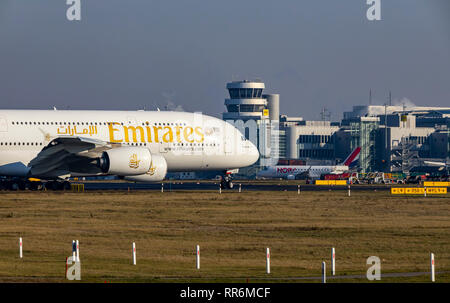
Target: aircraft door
<point>3,124</point>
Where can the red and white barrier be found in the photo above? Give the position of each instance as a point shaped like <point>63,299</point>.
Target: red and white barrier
<point>324,272</point>
<point>432,267</point>
<point>78,251</point>
<point>333,261</point>
<point>134,253</point>
<point>20,248</point>
<point>74,251</point>
<point>198,257</point>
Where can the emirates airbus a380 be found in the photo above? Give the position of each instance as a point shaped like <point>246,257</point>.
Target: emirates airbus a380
<point>54,145</point>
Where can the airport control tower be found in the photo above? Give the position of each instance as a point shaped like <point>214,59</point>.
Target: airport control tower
<point>256,113</point>
<point>246,101</point>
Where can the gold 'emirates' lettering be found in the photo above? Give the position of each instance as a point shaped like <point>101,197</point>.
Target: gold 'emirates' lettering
<point>156,128</point>
<point>119,133</point>
<point>133,131</point>
<point>187,132</point>
<point>198,131</point>
<point>168,136</point>
<point>111,132</point>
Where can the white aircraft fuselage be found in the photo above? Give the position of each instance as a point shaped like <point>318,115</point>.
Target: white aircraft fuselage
<point>289,172</point>
<point>55,143</point>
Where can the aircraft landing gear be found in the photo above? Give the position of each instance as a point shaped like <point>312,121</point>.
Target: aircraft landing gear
<point>226,182</point>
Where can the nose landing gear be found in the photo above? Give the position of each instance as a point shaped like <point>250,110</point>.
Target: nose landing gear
<point>226,181</point>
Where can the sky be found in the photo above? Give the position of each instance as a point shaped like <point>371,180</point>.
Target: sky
<point>144,54</point>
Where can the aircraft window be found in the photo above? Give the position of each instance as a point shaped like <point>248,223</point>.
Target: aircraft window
<point>82,123</point>
<point>14,143</point>
<point>25,122</point>
<point>95,123</point>
<point>39,123</point>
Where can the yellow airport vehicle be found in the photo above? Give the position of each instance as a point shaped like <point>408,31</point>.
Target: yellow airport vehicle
<point>436,183</point>
<point>418,190</point>
<point>331,182</point>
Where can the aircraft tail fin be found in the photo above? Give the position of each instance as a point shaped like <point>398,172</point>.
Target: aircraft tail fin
<point>353,157</point>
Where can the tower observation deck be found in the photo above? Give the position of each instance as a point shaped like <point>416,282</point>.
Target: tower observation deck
<point>246,101</point>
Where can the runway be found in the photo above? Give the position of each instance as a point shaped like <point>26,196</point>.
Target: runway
<point>182,186</point>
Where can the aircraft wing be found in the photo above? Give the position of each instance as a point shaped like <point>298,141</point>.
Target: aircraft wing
<point>68,154</point>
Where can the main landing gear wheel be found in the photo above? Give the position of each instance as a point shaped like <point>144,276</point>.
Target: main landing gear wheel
<point>226,183</point>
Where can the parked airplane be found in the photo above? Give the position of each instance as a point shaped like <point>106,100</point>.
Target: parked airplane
<point>310,171</point>
<point>134,145</point>
<point>441,165</point>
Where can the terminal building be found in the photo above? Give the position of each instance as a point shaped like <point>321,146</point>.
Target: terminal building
<point>392,138</point>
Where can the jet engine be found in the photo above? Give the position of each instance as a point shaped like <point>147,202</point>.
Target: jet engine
<point>125,161</point>
<point>156,173</point>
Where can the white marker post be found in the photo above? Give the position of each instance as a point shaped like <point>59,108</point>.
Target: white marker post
<point>74,250</point>
<point>20,248</point>
<point>324,272</point>
<point>349,191</point>
<point>268,260</point>
<point>432,267</point>
<point>220,189</point>
<point>78,251</point>
<point>162,187</point>
<point>333,262</point>
<point>240,185</point>
<point>134,253</point>
<point>424,191</point>
<point>198,257</point>
<point>298,189</point>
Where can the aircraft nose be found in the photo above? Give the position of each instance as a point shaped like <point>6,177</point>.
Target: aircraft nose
<point>253,154</point>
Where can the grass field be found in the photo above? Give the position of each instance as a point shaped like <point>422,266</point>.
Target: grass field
<point>232,229</point>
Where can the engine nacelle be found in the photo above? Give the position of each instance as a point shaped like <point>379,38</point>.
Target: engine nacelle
<point>156,173</point>
<point>125,161</point>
